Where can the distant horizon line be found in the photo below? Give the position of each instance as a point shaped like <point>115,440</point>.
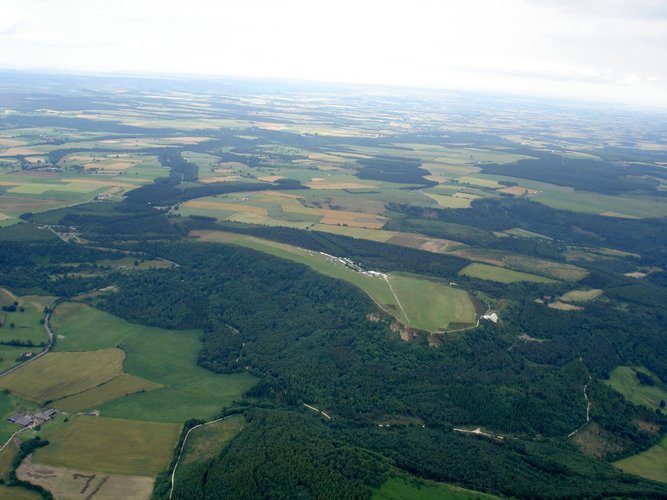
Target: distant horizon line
<point>184,77</point>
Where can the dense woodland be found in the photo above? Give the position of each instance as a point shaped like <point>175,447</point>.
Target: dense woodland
<point>309,340</point>
<point>316,340</point>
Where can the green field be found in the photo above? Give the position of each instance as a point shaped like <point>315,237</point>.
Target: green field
<point>110,445</point>
<point>581,295</point>
<point>566,198</point>
<point>444,201</point>
<point>26,320</point>
<point>60,374</point>
<point>624,380</point>
<point>118,387</point>
<point>79,327</point>
<point>431,302</point>
<point>651,464</point>
<point>524,233</point>
<point>6,457</point>
<point>500,274</point>
<point>164,357</point>
<point>415,489</point>
<point>206,442</point>
<point>16,493</point>
<point>10,404</point>
<point>361,233</point>
<point>415,301</point>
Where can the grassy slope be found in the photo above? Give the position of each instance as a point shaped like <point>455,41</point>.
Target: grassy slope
<point>426,304</point>
<point>403,489</point>
<point>650,464</point>
<point>500,274</point>
<point>624,380</point>
<point>206,442</point>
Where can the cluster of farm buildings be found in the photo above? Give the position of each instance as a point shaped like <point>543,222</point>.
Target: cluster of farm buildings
<point>25,419</point>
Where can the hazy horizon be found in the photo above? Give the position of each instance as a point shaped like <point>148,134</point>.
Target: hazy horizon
<point>591,50</point>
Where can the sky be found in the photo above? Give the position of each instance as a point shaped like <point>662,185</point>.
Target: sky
<point>597,50</point>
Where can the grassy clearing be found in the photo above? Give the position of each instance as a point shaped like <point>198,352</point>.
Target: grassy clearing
<point>500,274</point>
<point>444,201</point>
<point>417,489</point>
<point>431,304</point>
<point>164,357</point>
<point>416,302</point>
<point>79,484</point>
<point>110,445</point>
<point>60,374</point>
<point>435,245</point>
<point>624,379</point>
<point>380,235</point>
<point>16,493</point>
<point>206,442</point>
<point>524,233</point>
<point>581,295</point>
<point>650,464</point>
<point>118,387</point>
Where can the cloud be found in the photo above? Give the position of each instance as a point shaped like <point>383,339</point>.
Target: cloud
<point>530,45</point>
<point>648,9</point>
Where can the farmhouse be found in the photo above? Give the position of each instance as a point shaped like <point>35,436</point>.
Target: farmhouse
<point>25,419</point>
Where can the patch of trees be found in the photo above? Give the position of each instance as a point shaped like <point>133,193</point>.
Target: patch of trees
<point>394,169</point>
<point>180,169</point>
<point>30,267</point>
<point>285,454</point>
<point>164,192</point>
<point>370,254</point>
<point>26,448</point>
<point>647,237</point>
<point>644,379</point>
<point>587,175</point>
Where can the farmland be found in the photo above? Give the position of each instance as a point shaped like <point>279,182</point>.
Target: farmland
<point>77,483</point>
<point>160,365</point>
<point>60,374</point>
<point>109,445</point>
<point>117,387</point>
